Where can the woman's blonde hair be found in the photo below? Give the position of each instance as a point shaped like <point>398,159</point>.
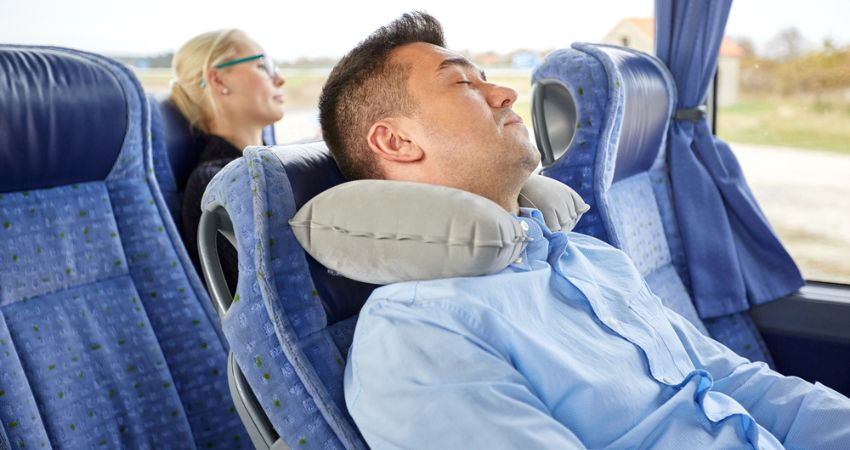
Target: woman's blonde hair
<point>191,64</point>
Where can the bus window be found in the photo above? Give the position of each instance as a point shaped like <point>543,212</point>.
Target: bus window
<point>783,104</point>
<point>508,62</point>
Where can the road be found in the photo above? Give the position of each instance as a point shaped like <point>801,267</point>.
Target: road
<point>806,196</point>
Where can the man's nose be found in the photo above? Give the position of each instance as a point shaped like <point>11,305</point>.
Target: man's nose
<point>501,96</point>
<point>278,80</point>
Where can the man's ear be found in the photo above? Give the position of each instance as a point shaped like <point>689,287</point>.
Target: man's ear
<point>389,141</point>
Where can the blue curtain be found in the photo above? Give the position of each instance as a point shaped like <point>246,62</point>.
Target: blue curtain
<point>734,257</point>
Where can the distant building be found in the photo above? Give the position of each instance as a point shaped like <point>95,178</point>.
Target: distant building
<point>639,34</point>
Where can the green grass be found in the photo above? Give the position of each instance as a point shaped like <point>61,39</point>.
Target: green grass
<point>788,123</point>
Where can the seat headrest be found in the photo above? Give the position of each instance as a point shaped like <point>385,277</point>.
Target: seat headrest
<point>182,142</point>
<point>63,117</point>
<point>602,93</point>
<point>554,119</point>
<point>311,170</point>
<point>648,107</point>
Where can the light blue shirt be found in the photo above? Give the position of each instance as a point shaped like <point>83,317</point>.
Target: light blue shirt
<point>566,348</point>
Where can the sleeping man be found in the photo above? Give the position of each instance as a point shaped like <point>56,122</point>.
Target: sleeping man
<point>566,347</point>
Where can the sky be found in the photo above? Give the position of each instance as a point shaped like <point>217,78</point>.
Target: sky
<point>319,28</point>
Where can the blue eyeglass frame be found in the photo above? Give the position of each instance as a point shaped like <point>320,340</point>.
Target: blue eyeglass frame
<point>234,62</point>
<point>268,66</point>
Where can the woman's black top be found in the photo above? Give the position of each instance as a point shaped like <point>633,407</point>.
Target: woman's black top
<point>216,153</point>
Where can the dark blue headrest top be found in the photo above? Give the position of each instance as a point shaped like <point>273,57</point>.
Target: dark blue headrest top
<point>63,118</point>
<point>182,142</point>
<point>312,171</point>
<point>646,114</point>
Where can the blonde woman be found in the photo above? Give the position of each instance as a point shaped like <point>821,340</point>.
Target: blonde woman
<point>229,90</point>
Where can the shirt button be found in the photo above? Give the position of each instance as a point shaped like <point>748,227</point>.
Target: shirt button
<point>615,323</point>
<point>518,260</point>
<point>523,225</point>
<point>667,380</point>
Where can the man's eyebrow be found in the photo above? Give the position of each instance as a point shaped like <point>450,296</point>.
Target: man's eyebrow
<point>463,62</point>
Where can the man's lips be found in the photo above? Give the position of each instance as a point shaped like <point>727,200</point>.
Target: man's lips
<point>513,119</point>
<point>278,98</point>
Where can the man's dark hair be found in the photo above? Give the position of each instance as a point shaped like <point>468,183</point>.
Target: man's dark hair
<point>365,87</point>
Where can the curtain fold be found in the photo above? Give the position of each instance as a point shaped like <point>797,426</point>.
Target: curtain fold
<point>734,257</point>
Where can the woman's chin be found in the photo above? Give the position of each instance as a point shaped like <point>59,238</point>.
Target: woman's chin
<point>278,115</point>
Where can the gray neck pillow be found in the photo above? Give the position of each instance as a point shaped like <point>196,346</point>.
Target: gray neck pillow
<point>382,231</point>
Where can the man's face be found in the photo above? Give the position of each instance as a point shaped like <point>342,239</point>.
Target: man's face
<point>471,138</point>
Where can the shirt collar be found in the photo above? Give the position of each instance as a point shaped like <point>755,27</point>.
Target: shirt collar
<point>531,221</point>
<point>544,244</point>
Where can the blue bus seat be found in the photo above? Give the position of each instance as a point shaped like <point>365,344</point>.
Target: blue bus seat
<point>107,337</point>
<point>176,149</point>
<point>601,115</point>
<point>291,322</point>
<point>161,142</point>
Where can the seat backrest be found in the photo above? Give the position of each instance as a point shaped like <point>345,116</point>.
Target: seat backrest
<point>291,322</point>
<point>601,115</point>
<point>177,147</point>
<point>107,338</point>
<point>163,167</point>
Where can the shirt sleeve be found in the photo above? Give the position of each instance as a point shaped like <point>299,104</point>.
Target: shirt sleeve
<point>800,414</point>
<point>418,377</point>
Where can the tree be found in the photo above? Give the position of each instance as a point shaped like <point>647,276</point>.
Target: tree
<point>787,44</point>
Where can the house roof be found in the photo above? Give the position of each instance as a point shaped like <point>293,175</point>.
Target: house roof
<point>728,47</point>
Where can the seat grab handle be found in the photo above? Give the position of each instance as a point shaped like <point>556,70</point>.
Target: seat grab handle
<point>215,220</point>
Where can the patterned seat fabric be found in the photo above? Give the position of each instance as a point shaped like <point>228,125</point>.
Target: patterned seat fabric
<point>162,165</point>
<point>107,337</point>
<point>617,162</point>
<point>291,322</point>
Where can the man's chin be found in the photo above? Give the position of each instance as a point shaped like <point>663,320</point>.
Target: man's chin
<point>531,164</point>
<point>531,157</point>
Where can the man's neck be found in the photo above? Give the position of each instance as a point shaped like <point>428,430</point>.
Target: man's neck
<point>508,200</point>
<point>507,194</point>
<point>511,206</point>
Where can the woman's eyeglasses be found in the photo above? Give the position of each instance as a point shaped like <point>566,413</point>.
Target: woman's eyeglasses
<point>267,65</point>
